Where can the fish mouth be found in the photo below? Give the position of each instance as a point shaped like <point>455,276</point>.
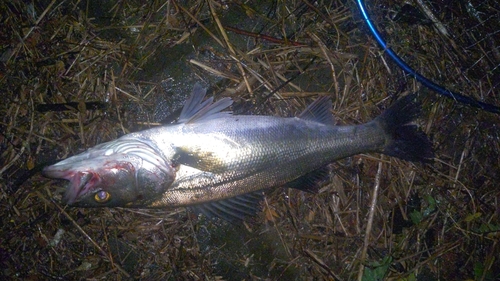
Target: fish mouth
<point>81,183</point>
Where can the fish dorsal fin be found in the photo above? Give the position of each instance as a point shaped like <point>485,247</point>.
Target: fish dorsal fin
<point>234,209</point>
<point>195,109</point>
<point>319,111</point>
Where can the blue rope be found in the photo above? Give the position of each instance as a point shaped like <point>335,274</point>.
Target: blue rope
<point>428,83</point>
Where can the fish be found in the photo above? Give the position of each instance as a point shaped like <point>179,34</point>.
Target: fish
<point>219,163</point>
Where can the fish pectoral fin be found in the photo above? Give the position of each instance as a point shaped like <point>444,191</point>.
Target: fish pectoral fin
<point>212,156</point>
<point>203,161</point>
<point>310,181</point>
<point>235,209</point>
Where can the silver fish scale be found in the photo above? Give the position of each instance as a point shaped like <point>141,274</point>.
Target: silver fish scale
<point>242,156</point>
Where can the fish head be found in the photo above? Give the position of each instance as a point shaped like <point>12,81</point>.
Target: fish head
<point>114,175</point>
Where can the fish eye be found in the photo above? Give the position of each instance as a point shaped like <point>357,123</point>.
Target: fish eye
<point>102,196</point>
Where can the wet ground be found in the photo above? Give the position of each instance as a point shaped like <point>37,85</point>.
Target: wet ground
<point>126,66</point>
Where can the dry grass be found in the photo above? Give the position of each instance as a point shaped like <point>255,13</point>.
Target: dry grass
<point>115,60</point>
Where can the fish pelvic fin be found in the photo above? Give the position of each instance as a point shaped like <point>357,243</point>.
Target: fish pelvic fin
<point>405,140</point>
<point>195,109</point>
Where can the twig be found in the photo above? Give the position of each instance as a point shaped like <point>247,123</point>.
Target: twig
<point>369,224</point>
<point>433,18</point>
<point>228,44</point>
<point>329,59</point>
<point>264,37</point>
<point>101,250</point>
<point>214,71</point>
<point>198,23</point>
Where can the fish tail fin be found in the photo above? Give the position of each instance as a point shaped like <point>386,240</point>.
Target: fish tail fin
<point>405,140</point>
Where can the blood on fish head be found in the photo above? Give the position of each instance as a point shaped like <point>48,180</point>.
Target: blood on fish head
<point>103,177</point>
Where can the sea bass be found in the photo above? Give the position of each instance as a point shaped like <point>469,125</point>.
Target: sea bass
<point>219,163</point>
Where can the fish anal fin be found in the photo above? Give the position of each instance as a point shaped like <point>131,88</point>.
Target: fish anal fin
<point>310,181</point>
<point>319,111</point>
<point>236,209</point>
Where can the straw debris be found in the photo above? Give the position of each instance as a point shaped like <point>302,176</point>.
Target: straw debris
<point>77,73</point>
